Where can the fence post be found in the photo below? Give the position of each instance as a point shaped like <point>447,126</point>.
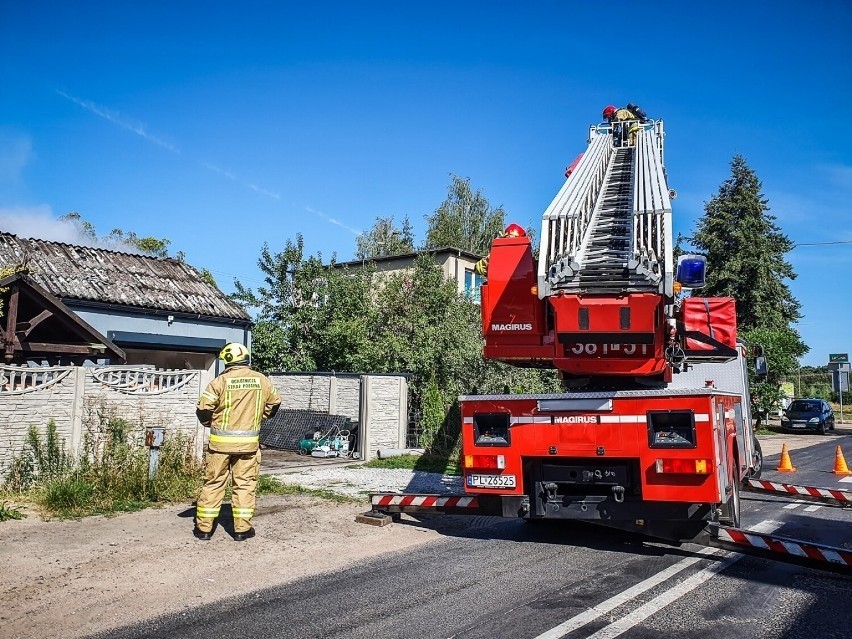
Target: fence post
<point>364,418</point>
<point>77,408</point>
<point>403,412</point>
<point>332,395</point>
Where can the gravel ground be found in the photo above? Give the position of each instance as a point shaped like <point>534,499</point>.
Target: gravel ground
<point>357,481</point>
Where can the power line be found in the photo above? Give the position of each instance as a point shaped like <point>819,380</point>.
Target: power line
<point>822,243</point>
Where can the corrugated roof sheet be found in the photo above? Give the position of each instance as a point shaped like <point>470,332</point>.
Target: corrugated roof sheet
<point>100,275</point>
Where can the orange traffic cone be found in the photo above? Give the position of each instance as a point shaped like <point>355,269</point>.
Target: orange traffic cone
<point>786,465</point>
<point>840,467</point>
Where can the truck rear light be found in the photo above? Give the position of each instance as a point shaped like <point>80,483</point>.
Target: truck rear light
<point>683,466</point>
<point>485,461</point>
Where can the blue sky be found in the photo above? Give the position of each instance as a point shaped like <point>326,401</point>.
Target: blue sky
<point>223,125</point>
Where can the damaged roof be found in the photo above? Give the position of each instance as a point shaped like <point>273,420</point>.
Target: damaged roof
<point>87,273</point>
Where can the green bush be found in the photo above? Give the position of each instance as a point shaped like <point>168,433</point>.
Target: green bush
<point>9,512</point>
<point>68,496</point>
<point>40,459</point>
<point>110,475</point>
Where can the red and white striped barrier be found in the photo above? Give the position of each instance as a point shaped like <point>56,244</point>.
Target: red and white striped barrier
<point>783,549</point>
<point>831,495</point>
<point>424,501</point>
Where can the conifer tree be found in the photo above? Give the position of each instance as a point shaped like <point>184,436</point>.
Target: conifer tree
<point>745,251</point>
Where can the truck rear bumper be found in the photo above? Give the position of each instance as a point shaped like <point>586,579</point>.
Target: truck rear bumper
<point>599,508</point>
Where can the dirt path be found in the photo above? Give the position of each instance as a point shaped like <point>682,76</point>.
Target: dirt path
<point>74,578</point>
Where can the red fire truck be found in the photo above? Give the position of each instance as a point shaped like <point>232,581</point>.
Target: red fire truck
<point>653,428</point>
<point>652,431</point>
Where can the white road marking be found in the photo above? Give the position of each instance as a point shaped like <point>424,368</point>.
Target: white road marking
<point>846,479</point>
<point>692,582</point>
<point>661,601</point>
<point>799,502</point>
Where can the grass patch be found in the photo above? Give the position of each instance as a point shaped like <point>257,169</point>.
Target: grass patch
<point>426,463</point>
<point>8,512</point>
<point>271,485</point>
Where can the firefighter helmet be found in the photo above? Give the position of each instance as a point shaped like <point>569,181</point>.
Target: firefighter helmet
<point>514,230</point>
<point>234,353</point>
<point>609,111</point>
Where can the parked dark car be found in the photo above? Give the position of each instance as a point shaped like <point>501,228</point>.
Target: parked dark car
<point>808,414</point>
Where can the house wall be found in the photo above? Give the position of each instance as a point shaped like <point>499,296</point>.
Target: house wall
<point>156,323</point>
<point>79,398</point>
<point>453,265</point>
<point>378,403</point>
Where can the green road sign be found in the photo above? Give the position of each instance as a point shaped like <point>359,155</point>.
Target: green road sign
<point>838,358</point>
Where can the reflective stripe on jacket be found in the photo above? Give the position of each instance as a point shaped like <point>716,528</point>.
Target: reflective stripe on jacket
<point>239,399</point>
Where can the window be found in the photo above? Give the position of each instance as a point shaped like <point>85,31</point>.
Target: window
<point>472,282</point>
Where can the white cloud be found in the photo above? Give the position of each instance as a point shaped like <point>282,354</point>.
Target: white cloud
<point>16,152</point>
<point>38,222</point>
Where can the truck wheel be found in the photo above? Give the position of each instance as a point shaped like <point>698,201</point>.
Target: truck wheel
<point>756,460</point>
<point>731,512</point>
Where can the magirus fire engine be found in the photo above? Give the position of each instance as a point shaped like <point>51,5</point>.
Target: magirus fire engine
<point>653,429</point>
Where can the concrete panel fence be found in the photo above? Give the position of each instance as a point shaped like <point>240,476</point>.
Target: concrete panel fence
<point>378,404</point>
<point>76,399</point>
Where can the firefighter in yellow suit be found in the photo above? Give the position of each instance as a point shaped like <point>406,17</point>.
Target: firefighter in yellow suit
<point>233,405</point>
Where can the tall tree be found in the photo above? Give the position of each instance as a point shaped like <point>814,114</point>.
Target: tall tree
<point>385,239</point>
<point>465,220</point>
<point>309,316</point>
<point>746,252</point>
<point>746,260</point>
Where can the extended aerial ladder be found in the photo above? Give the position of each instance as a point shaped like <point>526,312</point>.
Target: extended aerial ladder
<point>605,274</point>
<point>609,229</point>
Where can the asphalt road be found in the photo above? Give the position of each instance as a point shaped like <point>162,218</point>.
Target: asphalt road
<point>493,579</point>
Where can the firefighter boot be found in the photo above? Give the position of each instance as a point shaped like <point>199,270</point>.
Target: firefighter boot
<point>242,536</point>
<point>203,535</point>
